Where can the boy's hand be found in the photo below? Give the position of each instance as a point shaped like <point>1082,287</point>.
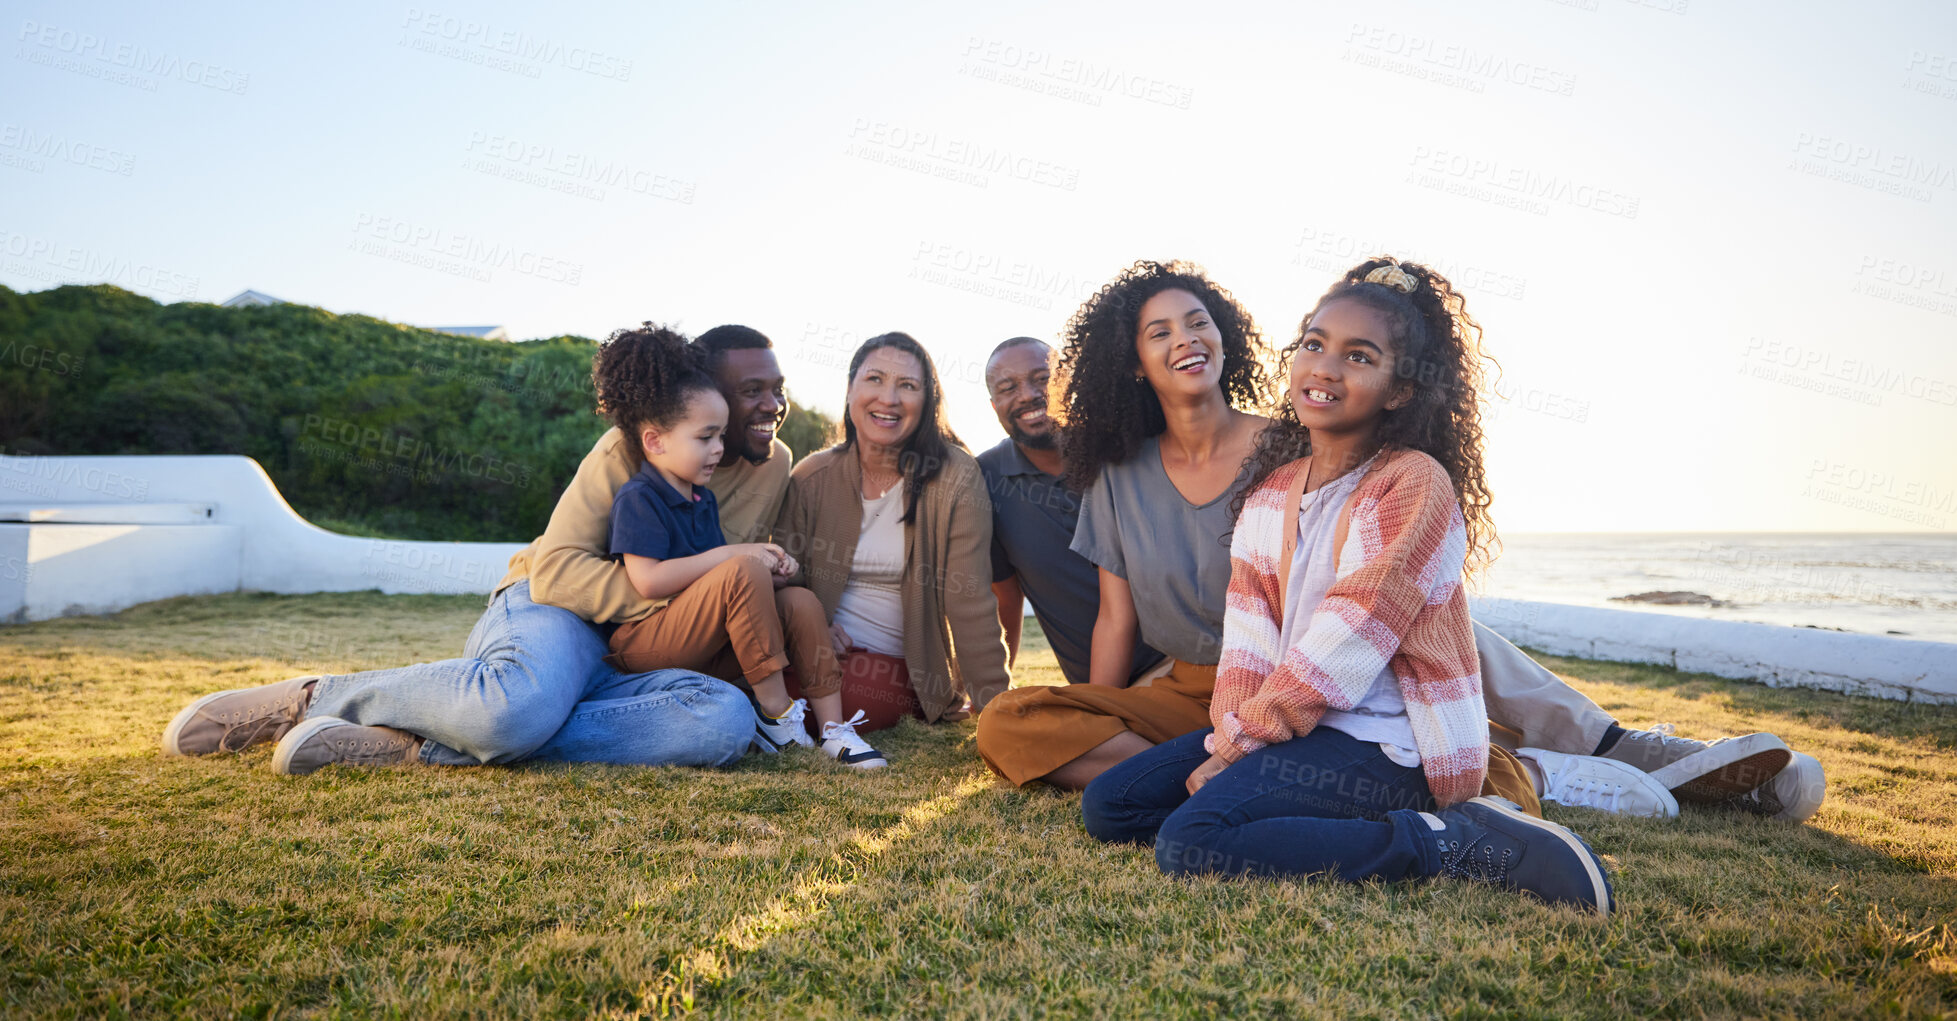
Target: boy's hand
<point>770,555</point>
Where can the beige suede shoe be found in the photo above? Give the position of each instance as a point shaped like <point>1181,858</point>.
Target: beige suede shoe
<point>1705,772</point>
<point>1794,795</point>
<point>231,721</point>
<point>330,741</point>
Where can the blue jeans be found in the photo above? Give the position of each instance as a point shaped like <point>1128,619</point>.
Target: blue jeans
<point>1321,803</point>
<point>532,685</point>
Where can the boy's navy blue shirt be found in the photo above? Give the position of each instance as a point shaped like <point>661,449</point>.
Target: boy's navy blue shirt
<point>651,519</point>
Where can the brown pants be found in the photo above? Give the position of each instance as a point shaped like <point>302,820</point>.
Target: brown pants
<point>731,624</point>
<point>1027,733</point>
<point>877,684</point>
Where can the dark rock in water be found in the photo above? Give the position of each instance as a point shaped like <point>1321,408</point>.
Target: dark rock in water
<point>1672,599</point>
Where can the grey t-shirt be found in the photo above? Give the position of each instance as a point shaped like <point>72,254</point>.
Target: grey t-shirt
<point>1175,555</point>
<point>1034,516</point>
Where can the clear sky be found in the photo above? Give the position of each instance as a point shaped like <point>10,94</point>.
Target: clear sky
<point>1712,243</point>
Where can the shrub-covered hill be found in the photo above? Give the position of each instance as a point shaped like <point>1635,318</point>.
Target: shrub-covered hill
<point>366,425</point>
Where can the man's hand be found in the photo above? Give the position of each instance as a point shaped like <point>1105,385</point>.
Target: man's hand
<point>1206,772</point>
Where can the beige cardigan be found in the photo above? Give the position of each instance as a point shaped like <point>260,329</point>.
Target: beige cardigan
<point>953,645</point>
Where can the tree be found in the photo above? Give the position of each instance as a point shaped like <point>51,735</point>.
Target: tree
<point>807,430</point>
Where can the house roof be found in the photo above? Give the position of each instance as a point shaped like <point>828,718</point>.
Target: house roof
<point>485,332</point>
<point>250,298</point>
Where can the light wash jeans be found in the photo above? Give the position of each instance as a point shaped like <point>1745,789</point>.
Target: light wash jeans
<point>532,685</point>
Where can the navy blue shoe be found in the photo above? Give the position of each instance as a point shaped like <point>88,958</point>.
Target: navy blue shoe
<point>1491,840</point>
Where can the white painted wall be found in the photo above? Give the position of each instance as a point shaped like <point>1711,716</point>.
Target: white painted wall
<point>83,535</point>
<point>1773,654</point>
<point>104,568</point>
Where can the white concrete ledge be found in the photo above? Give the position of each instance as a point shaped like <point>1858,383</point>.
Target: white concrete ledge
<point>108,513</point>
<point>100,534</point>
<point>1775,655</point>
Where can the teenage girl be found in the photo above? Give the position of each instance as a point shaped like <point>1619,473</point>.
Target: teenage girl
<point>1348,733</point>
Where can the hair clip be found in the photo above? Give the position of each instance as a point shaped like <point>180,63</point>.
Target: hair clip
<point>1393,276</point>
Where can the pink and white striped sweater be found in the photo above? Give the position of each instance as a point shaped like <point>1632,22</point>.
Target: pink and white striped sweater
<point>1397,600</point>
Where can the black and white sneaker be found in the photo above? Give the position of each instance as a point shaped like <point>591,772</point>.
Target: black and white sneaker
<point>841,742</point>
<point>771,735</point>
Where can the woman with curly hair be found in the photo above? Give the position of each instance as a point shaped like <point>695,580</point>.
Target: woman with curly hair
<point>1348,733</point>
<point>1162,372</point>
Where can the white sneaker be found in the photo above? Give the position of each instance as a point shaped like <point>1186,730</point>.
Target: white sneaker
<point>1586,781</point>
<point>1794,794</point>
<point>773,735</point>
<point>841,742</point>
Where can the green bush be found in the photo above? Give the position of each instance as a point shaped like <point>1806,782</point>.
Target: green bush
<point>374,426</point>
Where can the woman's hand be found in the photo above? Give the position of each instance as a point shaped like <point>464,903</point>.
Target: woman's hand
<point>1206,772</point>
<point>841,639</point>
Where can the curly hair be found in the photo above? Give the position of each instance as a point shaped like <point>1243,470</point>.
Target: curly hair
<point>646,376</point>
<point>925,453</point>
<point>1436,348</point>
<point>1108,411</point>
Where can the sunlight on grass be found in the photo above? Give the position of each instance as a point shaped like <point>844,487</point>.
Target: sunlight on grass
<point>801,905</point>
<point>132,885</point>
<point>796,907</point>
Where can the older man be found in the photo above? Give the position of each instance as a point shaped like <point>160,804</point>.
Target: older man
<point>1577,753</point>
<point>1034,514</point>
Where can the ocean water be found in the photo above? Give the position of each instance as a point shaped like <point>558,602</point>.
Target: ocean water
<point>1901,584</point>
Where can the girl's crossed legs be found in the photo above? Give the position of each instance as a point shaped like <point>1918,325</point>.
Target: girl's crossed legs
<point>1324,802</point>
<point>1328,803</point>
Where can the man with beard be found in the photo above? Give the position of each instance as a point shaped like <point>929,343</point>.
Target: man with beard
<point>1033,517</point>
<point>753,473</point>
<point>531,684</point>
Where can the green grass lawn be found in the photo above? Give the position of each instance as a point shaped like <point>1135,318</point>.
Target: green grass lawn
<point>135,885</point>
